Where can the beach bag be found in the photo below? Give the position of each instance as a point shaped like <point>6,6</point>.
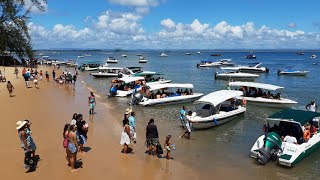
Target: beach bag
<point>65,142</point>
<point>159,149</point>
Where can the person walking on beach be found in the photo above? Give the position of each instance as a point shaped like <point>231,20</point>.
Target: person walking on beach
<point>26,79</point>
<point>132,124</point>
<point>183,116</point>
<point>10,88</point>
<point>41,74</point>
<point>35,82</point>
<point>125,136</point>
<point>152,137</point>
<point>92,102</point>
<point>65,143</point>
<point>47,76</point>
<point>312,106</point>
<point>27,143</point>
<point>24,71</point>
<point>72,146</point>
<point>168,146</point>
<point>53,75</point>
<point>188,126</point>
<point>16,72</point>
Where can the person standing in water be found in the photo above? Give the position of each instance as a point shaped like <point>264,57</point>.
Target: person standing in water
<point>10,88</point>
<point>92,102</point>
<point>312,106</point>
<point>188,126</point>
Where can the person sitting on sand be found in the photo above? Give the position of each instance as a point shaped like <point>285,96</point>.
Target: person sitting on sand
<point>10,88</point>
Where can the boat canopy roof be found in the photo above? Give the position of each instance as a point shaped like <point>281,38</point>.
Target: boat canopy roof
<point>119,68</point>
<point>134,67</point>
<point>129,79</point>
<point>299,116</point>
<point>217,97</point>
<point>144,73</point>
<point>169,85</point>
<point>256,85</point>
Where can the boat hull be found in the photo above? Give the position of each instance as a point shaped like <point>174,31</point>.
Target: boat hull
<point>272,103</point>
<point>304,73</point>
<point>101,75</point>
<point>171,100</point>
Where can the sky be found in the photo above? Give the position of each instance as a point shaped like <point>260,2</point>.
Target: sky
<point>176,24</point>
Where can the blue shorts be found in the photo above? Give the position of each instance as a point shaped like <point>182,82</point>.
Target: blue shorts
<point>72,147</point>
<point>91,105</point>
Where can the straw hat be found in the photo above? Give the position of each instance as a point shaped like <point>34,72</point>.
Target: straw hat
<point>20,124</point>
<point>128,110</point>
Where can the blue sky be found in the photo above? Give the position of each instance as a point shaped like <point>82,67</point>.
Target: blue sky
<point>160,24</point>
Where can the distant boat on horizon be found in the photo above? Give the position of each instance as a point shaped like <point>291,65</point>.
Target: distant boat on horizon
<point>188,54</point>
<point>251,56</point>
<point>313,56</point>
<point>300,53</point>
<point>215,54</point>
<point>163,55</point>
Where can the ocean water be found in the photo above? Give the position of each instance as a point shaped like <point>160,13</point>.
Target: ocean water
<point>227,146</point>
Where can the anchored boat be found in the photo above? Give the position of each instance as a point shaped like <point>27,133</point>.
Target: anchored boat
<point>292,73</point>
<point>256,68</point>
<point>255,93</point>
<point>108,72</point>
<point>286,122</point>
<point>217,108</point>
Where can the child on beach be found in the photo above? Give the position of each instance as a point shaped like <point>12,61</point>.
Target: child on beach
<point>10,88</point>
<point>35,81</point>
<point>168,146</point>
<point>41,74</point>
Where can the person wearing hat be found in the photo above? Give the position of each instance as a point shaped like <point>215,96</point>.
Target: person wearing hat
<point>312,106</point>
<point>26,142</point>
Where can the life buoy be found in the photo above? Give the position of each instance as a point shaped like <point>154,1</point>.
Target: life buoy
<point>244,102</point>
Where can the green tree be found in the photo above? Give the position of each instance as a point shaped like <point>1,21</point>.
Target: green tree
<point>14,31</point>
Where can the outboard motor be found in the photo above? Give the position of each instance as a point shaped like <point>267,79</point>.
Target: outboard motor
<point>215,75</point>
<point>136,98</point>
<point>279,71</point>
<point>270,149</point>
<point>267,70</point>
<point>198,65</point>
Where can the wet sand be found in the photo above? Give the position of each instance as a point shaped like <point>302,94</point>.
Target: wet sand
<point>52,106</point>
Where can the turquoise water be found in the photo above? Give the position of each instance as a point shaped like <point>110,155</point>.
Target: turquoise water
<point>226,145</point>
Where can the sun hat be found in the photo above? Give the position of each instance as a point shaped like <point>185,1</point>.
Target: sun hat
<point>128,110</point>
<point>20,124</point>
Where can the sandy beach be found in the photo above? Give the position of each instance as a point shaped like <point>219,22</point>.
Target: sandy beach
<point>52,106</point>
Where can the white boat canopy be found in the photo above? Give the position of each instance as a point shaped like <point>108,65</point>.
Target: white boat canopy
<point>255,85</point>
<point>129,79</point>
<point>169,85</point>
<point>217,97</point>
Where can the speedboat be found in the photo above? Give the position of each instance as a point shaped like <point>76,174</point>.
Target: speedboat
<point>89,67</point>
<point>136,71</point>
<point>71,63</point>
<point>103,67</point>
<point>257,68</point>
<point>251,56</point>
<point>126,85</point>
<point>221,62</point>
<point>153,78</point>
<point>215,54</point>
<point>188,54</point>
<point>163,55</point>
<point>123,55</point>
<point>139,54</point>
<point>300,53</point>
<point>80,56</point>
<point>87,55</point>
<point>313,56</point>
<point>108,72</point>
<point>112,60</point>
<point>255,94</point>
<point>198,52</point>
<point>235,75</point>
<point>292,73</point>
<point>271,146</point>
<point>168,95</point>
<point>142,59</point>
<point>217,108</point>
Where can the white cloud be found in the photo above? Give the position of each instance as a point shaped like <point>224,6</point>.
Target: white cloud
<point>142,10</point>
<point>292,25</point>
<point>29,4</point>
<point>168,23</point>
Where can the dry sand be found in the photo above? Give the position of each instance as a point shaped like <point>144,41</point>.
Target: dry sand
<point>52,106</point>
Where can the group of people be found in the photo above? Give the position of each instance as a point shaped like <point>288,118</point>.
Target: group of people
<point>74,138</point>
<point>129,135</point>
<point>33,76</point>
<point>254,92</point>
<point>65,78</point>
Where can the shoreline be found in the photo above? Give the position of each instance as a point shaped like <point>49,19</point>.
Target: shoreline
<point>49,108</point>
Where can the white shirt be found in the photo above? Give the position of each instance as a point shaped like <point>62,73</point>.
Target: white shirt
<point>73,122</point>
<point>313,107</point>
<point>290,139</point>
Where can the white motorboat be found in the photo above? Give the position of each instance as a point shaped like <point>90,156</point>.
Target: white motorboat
<point>255,94</point>
<point>221,62</point>
<point>87,55</point>
<point>89,67</point>
<point>235,75</point>
<point>153,78</point>
<point>136,71</point>
<point>126,85</point>
<point>257,68</point>
<point>80,56</point>
<point>163,55</point>
<point>313,56</point>
<point>103,67</point>
<point>198,52</point>
<point>251,56</point>
<point>108,72</point>
<point>155,97</point>
<point>112,60</point>
<point>188,54</point>
<point>71,63</point>
<point>292,73</point>
<point>123,55</point>
<point>217,108</point>
<point>287,123</point>
<point>142,59</point>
